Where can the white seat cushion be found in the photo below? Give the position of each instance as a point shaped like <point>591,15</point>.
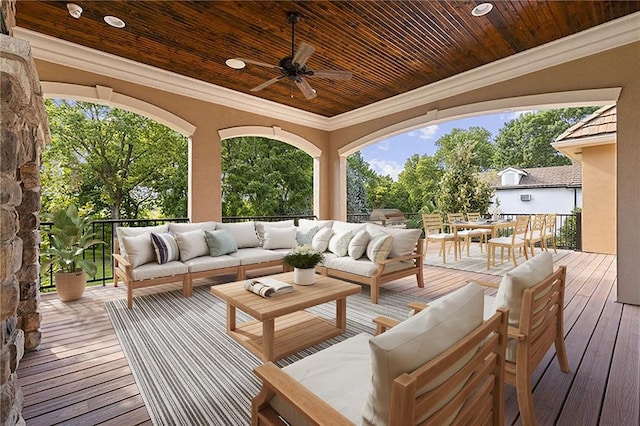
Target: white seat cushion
<point>207,263</point>
<point>339,375</point>
<point>154,270</point>
<point>250,256</point>
<point>506,240</point>
<point>417,340</point>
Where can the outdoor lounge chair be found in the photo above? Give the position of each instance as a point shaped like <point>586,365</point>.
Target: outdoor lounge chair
<point>441,365</point>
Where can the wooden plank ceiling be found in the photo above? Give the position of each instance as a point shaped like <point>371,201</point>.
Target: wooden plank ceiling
<point>391,47</point>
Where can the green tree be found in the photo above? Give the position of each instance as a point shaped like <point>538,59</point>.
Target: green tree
<point>526,141</point>
<point>117,162</point>
<point>360,175</point>
<point>264,177</point>
<point>484,149</point>
<point>460,189</point>
<point>418,181</point>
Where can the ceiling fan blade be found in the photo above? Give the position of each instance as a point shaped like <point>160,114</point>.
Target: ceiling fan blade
<point>336,75</point>
<point>267,83</point>
<point>306,89</point>
<point>262,64</point>
<point>303,54</point>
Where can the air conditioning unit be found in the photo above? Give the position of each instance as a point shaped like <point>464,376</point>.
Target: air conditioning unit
<point>525,197</point>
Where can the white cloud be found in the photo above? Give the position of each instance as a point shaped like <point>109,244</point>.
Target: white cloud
<point>514,115</point>
<point>383,167</point>
<point>383,146</point>
<point>428,132</point>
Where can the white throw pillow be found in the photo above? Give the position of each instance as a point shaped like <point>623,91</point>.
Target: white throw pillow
<point>125,231</point>
<point>416,341</point>
<point>320,241</point>
<point>358,244</point>
<point>192,244</point>
<point>514,282</point>
<point>139,249</point>
<point>260,227</point>
<point>339,243</point>
<point>243,232</point>
<point>340,227</point>
<point>304,237</point>
<point>279,238</point>
<point>379,247</point>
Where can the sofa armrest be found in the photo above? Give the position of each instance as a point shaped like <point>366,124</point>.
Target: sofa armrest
<point>384,323</point>
<point>514,333</point>
<point>276,381</point>
<point>417,306</point>
<point>120,260</point>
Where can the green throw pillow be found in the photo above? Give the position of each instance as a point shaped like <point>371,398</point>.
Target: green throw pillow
<point>220,242</point>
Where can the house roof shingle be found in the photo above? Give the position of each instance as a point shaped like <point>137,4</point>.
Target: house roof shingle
<point>543,177</point>
<point>601,122</point>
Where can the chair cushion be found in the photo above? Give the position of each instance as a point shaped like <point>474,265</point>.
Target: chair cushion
<point>416,341</point>
<point>304,236</point>
<point>186,227</point>
<point>123,231</point>
<point>518,279</point>
<point>192,244</point>
<point>209,263</point>
<point>220,242</point>
<point>326,372</point>
<point>339,243</point>
<point>243,232</point>
<point>165,247</point>
<point>320,241</point>
<point>139,249</point>
<point>379,247</point>
<point>279,237</point>
<point>362,266</point>
<point>358,244</point>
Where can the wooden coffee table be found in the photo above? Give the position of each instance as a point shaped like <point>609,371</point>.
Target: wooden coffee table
<point>282,326</point>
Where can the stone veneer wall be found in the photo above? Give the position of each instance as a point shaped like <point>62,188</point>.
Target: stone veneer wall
<point>24,131</point>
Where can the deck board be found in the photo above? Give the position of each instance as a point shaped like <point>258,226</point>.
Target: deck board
<point>80,375</point>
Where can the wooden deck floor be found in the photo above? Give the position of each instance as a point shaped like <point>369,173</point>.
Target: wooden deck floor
<point>80,375</point>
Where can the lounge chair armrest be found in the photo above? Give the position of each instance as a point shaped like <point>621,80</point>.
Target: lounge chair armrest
<point>417,306</point>
<point>301,398</point>
<point>485,283</point>
<point>384,323</point>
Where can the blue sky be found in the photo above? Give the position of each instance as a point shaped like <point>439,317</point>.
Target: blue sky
<point>387,157</point>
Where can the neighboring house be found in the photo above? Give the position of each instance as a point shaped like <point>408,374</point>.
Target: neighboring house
<point>555,189</point>
<point>593,143</point>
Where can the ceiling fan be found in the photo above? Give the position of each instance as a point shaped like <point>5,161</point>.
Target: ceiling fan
<point>294,66</point>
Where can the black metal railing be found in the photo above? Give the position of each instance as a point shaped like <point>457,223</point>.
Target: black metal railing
<point>568,231</point>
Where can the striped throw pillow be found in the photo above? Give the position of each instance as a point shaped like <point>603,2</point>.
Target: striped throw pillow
<point>165,247</point>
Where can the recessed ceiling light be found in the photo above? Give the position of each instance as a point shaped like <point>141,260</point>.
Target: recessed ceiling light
<point>482,9</point>
<point>114,21</point>
<point>236,64</point>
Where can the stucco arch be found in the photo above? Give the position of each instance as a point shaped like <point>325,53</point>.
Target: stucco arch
<point>106,96</point>
<point>275,132</point>
<point>532,102</point>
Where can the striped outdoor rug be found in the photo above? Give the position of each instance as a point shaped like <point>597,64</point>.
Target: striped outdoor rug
<point>190,372</point>
<point>477,261</point>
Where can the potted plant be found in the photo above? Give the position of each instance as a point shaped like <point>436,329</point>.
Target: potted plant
<point>69,236</point>
<point>303,259</point>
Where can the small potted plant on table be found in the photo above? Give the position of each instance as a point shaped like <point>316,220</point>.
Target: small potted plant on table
<point>69,236</point>
<point>303,259</point>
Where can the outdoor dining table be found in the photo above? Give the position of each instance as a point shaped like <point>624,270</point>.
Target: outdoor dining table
<point>494,226</point>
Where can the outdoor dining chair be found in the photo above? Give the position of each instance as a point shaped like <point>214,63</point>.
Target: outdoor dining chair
<point>536,233</point>
<point>434,231</point>
<point>516,240</point>
<point>550,231</point>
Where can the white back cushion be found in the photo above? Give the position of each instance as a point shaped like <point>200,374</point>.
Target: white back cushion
<point>123,231</point>
<point>358,244</point>
<point>320,241</point>
<point>192,244</point>
<point>138,249</point>
<point>416,341</point>
<point>404,240</point>
<point>307,223</point>
<point>339,243</point>
<point>514,282</point>
<point>186,227</point>
<point>340,227</point>
<point>243,232</point>
<point>276,238</point>
<point>260,227</point>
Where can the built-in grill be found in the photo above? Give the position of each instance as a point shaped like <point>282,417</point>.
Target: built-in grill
<point>388,217</point>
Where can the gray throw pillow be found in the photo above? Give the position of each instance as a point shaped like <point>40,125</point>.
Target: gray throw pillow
<point>304,237</point>
<point>220,242</point>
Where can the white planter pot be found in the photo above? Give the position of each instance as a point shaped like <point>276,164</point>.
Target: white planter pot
<point>304,276</point>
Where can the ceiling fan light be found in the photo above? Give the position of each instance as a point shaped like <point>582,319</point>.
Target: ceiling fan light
<point>236,64</point>
<point>482,9</point>
<point>114,21</point>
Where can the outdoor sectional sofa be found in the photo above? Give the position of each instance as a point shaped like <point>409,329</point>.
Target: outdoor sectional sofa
<point>181,252</point>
